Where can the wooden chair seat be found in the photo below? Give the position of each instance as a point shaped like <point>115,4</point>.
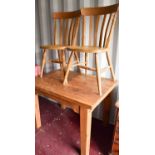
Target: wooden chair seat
<point>87,49</point>
<point>53,47</point>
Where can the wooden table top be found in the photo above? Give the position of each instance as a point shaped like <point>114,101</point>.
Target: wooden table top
<point>81,90</point>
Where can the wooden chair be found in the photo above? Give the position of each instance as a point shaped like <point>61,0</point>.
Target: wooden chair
<point>65,31</point>
<point>101,40</point>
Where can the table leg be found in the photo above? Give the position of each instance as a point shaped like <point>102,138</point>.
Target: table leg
<point>106,109</point>
<point>37,112</point>
<point>85,130</point>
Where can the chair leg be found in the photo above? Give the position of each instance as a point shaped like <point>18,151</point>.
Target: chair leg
<point>63,63</point>
<point>60,58</point>
<point>77,60</point>
<point>98,76</point>
<point>43,62</point>
<point>111,66</point>
<point>68,68</point>
<point>86,62</point>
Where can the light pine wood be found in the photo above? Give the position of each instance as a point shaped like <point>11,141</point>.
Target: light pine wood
<point>78,91</point>
<point>64,34</point>
<point>66,15</point>
<point>102,28</point>
<point>102,37</point>
<point>68,68</point>
<point>90,30</point>
<point>75,31</point>
<point>43,63</point>
<point>86,63</point>
<point>77,61</point>
<point>76,108</point>
<point>55,61</point>
<point>63,62</point>
<point>61,56</point>
<point>76,96</point>
<point>63,106</point>
<point>98,76</point>
<point>55,28</point>
<point>83,30</point>
<point>71,31</point>
<point>78,64</point>
<point>84,38</point>
<point>111,31</point>
<point>76,57</point>
<point>60,59</point>
<point>81,90</point>
<point>99,10</point>
<point>87,49</point>
<point>110,64</point>
<point>53,47</point>
<point>107,28</point>
<point>37,112</point>
<point>96,30</point>
<point>87,68</point>
<point>90,41</point>
<point>60,53</point>
<point>66,31</point>
<point>85,130</point>
<point>61,32</point>
<point>73,35</point>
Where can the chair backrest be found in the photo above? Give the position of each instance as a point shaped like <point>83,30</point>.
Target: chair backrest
<point>66,26</point>
<point>104,21</point>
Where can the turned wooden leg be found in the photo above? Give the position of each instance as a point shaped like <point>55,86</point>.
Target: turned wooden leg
<point>98,76</point>
<point>110,64</point>
<point>37,112</point>
<point>43,62</point>
<point>68,68</point>
<point>85,130</point>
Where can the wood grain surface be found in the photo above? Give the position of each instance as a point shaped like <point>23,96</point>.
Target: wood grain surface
<point>81,90</point>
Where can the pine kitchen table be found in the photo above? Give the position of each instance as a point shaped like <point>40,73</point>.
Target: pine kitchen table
<point>81,94</point>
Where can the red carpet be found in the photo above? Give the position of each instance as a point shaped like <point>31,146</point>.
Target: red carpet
<point>60,132</point>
